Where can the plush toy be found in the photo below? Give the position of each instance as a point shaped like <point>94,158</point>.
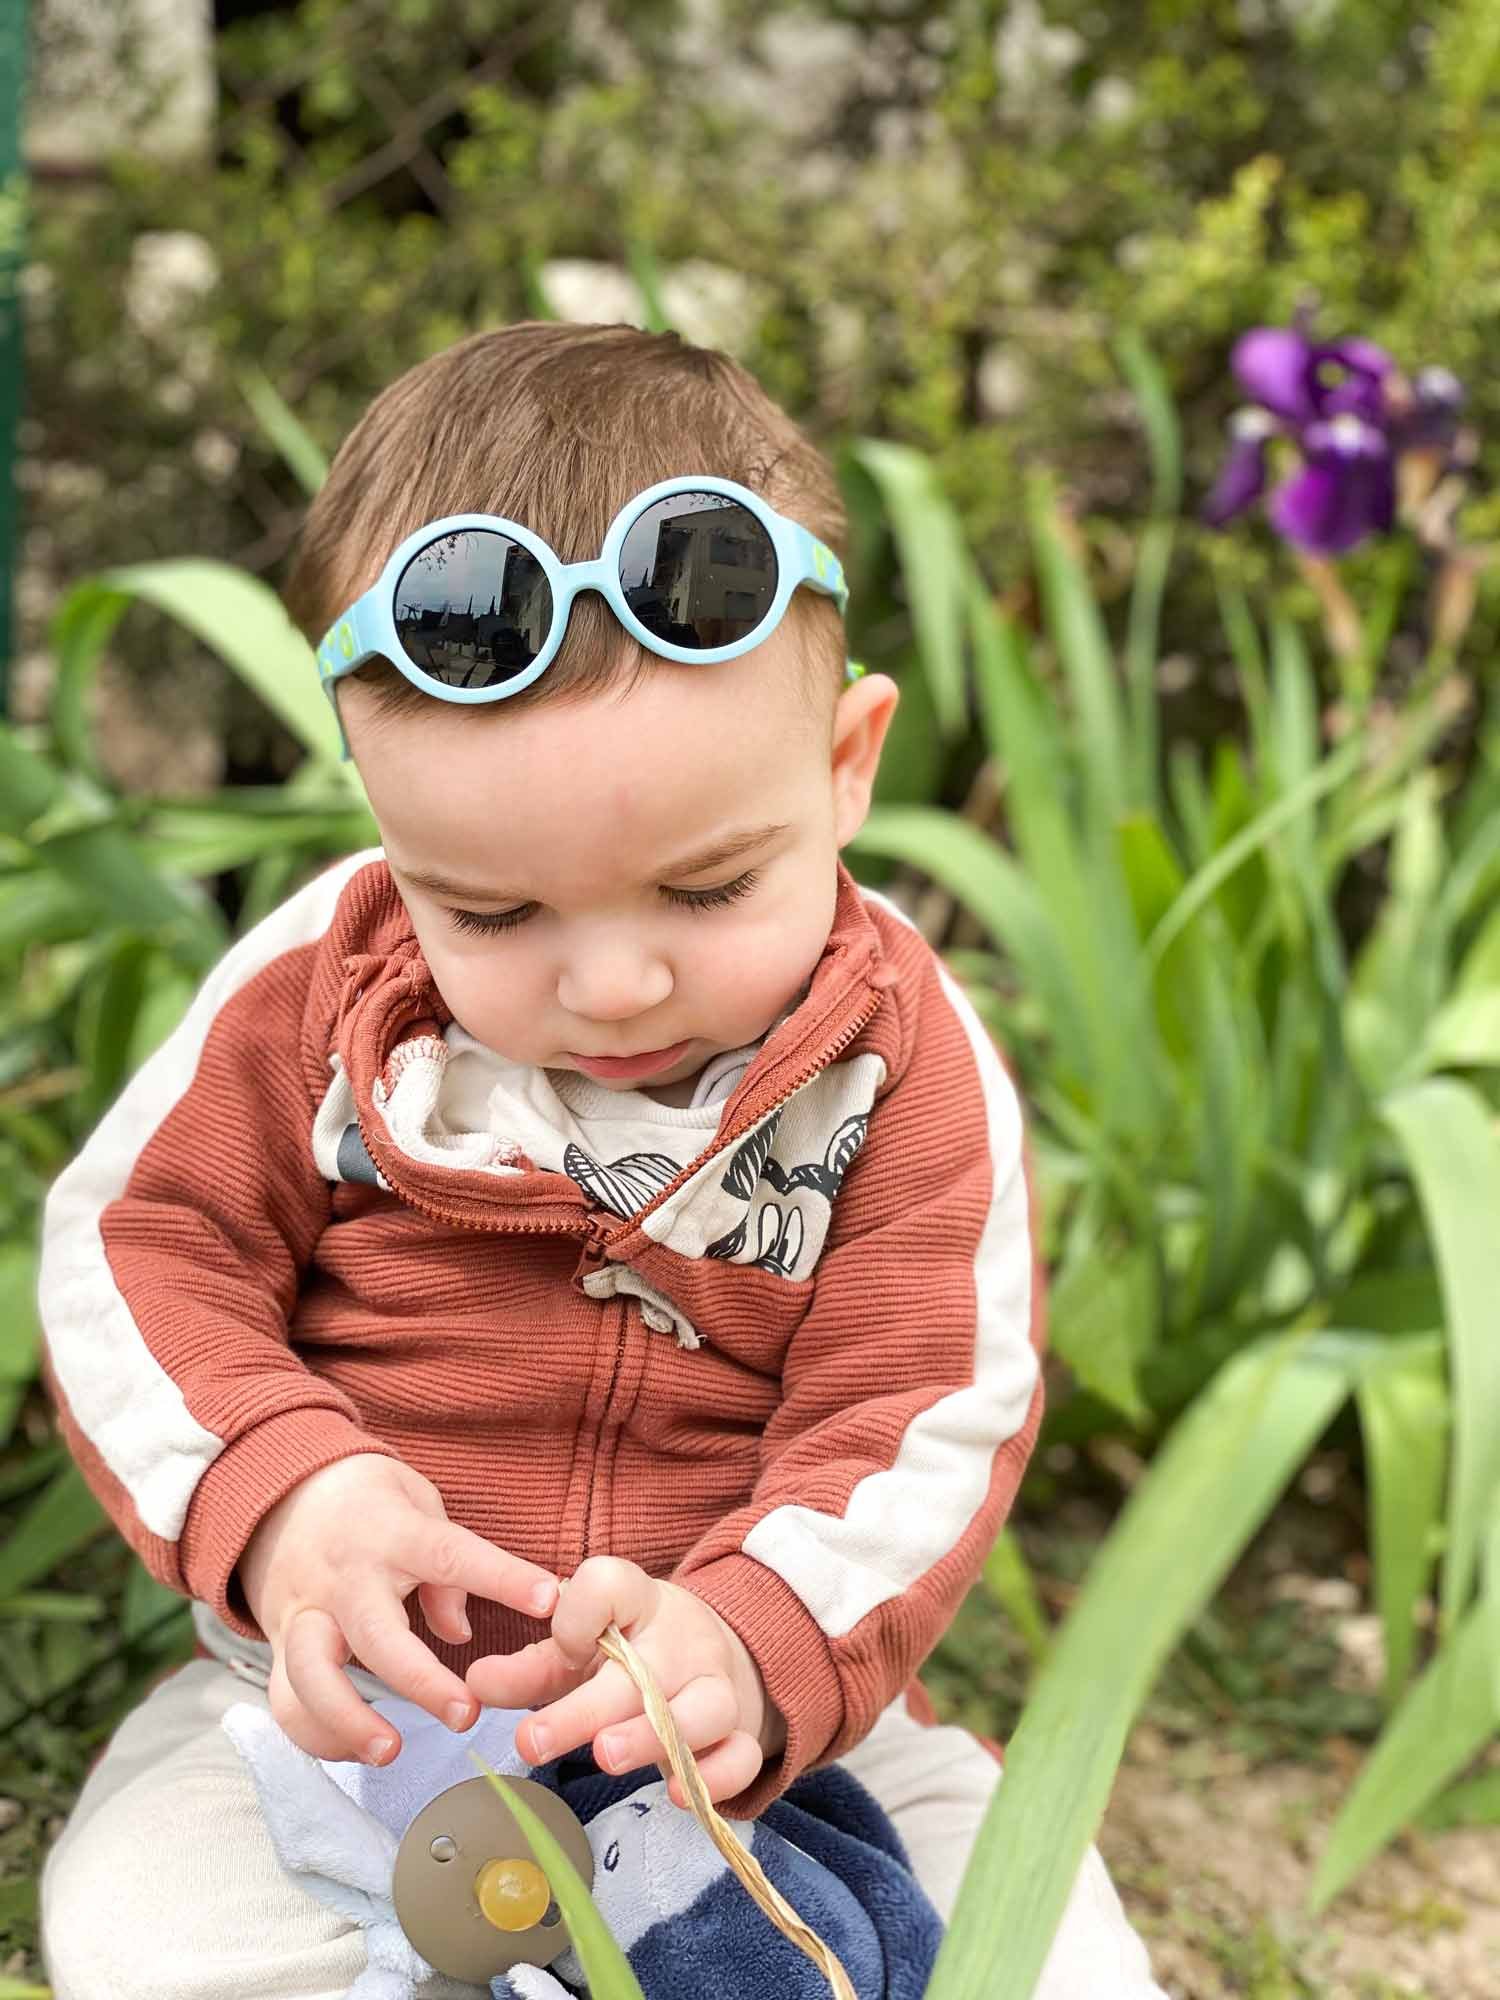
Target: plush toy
<point>422,1855</point>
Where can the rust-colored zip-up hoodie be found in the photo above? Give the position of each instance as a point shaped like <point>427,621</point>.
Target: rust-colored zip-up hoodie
<point>264,1261</point>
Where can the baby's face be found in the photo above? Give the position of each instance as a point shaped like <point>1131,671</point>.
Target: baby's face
<point>557,863</point>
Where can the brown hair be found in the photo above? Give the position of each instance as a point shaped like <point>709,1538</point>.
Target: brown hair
<point>557,426</point>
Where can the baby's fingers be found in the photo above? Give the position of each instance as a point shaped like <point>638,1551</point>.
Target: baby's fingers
<point>725,1769</point>
<point>705,1712</point>
<point>377,1630</point>
<point>441,1553</point>
<point>446,1613</point>
<point>524,1679</point>
<point>314,1700</point>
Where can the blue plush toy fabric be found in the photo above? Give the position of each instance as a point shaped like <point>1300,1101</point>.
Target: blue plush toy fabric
<point>667,1895</point>
<point>825,1844</point>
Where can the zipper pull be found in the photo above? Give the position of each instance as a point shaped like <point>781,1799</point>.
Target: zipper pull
<point>602,1230</point>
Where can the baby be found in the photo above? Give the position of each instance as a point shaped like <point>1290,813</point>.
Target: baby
<point>593,1183</point>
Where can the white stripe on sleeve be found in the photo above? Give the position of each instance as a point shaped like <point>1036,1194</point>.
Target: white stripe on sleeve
<point>128,1407</point>
<point>902,1520</point>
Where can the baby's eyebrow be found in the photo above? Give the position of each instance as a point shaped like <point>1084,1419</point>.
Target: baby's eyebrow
<point>727,848</point>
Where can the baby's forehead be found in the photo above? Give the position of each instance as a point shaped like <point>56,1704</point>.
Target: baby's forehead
<point>601,789</point>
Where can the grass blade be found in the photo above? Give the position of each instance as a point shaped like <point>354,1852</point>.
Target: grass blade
<point>1444,1720</point>
<point>1008,1579</point>
<point>1102,1320</point>
<point>1446,1133</point>
<point>1158,412</point>
<point>66,825</point>
<point>302,455</point>
<point>81,630</point>
<point>609,1973</point>
<point>65,1518</point>
<point>1475,1802</point>
<point>1211,877</point>
<point>20,1331</point>
<point>646,271</point>
<point>1077,872</point>
<point>1403,1413</point>
<point>1213,1484</point>
<point>1077,631</point>
<point>1142,644</point>
<point>1024,733</point>
<point>236,615</point>
<point>934,566</point>
<point>1000,894</point>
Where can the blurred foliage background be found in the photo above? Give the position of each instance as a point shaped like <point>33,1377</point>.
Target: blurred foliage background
<point>1232,906</point>
<point>925,223</point>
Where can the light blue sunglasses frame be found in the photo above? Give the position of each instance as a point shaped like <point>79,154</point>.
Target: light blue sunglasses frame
<point>367,630</point>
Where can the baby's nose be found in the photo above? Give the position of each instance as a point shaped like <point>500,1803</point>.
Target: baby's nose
<point>614,986</point>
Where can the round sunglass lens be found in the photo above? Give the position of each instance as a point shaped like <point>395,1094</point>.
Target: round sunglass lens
<point>698,570</point>
<point>474,608</point>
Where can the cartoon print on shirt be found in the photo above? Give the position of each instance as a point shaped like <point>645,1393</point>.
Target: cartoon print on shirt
<point>780,1232</point>
<point>826,1174</point>
<point>749,1160</point>
<point>624,1185</point>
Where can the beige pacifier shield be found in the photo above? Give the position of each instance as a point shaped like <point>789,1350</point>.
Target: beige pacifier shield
<point>443,1854</point>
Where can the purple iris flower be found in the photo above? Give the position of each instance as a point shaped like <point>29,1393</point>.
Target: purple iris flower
<point>1243,477</point>
<point>1345,490</point>
<point>1303,381</point>
<point>1348,413</point>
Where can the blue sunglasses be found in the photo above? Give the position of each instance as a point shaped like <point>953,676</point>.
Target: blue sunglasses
<point>473,608</point>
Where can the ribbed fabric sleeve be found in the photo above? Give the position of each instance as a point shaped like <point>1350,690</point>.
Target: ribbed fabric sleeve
<point>171,1254</point>
<point>911,1401</point>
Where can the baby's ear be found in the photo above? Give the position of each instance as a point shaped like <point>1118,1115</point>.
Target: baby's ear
<point>860,722</point>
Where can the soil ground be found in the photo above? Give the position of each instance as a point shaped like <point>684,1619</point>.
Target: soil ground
<point>1214,1858</point>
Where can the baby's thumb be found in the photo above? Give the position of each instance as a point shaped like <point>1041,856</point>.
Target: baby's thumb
<point>443,1606</point>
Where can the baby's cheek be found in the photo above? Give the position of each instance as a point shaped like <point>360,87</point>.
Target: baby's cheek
<point>748,979</point>
<point>491,997</point>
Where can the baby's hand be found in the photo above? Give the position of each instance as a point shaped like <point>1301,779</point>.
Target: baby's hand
<point>713,1687</point>
<point>325,1575</point>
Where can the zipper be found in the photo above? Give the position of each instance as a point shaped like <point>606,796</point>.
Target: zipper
<point>601,1237</point>
<point>609,1396</point>
<point>583,1227</point>
<point>590,1227</point>
<point>732,1138</point>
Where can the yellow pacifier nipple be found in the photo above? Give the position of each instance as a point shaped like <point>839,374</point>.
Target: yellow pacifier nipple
<point>513,1895</point>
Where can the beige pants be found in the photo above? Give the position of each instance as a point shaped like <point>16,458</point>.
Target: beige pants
<point>164,1884</point>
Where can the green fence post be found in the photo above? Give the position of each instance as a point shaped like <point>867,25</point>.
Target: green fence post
<point>13,15</point>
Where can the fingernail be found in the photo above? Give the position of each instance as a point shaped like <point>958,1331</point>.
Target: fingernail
<point>543,1598</point>
<point>460,1715</point>
<point>541,1742</point>
<point>465,1629</point>
<point>609,1751</point>
<point>378,1749</point>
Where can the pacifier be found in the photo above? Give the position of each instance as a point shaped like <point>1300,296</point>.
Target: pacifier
<point>467,1891</point>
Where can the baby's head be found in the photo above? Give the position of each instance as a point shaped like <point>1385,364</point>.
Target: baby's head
<point>631,852</point>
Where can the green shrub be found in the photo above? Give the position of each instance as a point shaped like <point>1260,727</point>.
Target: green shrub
<point>940,220</point>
